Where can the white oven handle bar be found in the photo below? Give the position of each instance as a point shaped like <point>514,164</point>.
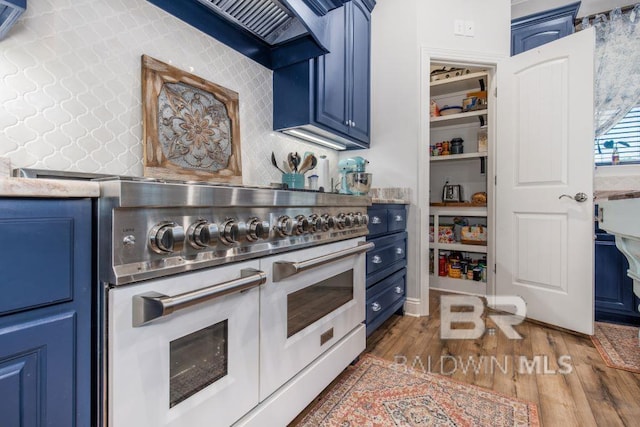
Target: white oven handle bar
<point>284,269</point>
<point>153,305</point>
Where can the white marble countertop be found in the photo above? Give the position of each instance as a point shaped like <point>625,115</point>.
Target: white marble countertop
<point>616,194</point>
<point>389,201</point>
<point>390,195</point>
<point>47,188</point>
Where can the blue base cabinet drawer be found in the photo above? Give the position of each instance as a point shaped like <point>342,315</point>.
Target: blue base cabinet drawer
<point>388,250</point>
<point>385,298</point>
<point>377,222</point>
<point>396,219</point>
<point>35,256</point>
<point>386,263</point>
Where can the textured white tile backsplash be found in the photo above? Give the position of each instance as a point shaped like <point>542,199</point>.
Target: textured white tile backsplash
<point>70,90</point>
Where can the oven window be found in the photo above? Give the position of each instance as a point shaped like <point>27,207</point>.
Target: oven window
<point>197,360</point>
<point>316,301</point>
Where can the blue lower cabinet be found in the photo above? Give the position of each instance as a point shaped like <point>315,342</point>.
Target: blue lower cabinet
<point>615,300</point>
<point>386,263</point>
<point>384,299</point>
<point>45,313</point>
<point>37,375</point>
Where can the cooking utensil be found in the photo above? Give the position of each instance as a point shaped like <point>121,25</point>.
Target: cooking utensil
<point>308,163</point>
<point>285,167</point>
<point>275,163</point>
<point>292,162</point>
<point>297,160</point>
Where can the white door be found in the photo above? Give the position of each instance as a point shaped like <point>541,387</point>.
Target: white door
<point>544,243</point>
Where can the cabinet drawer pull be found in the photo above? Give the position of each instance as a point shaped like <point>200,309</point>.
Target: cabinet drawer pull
<point>399,218</point>
<point>377,259</point>
<point>398,290</point>
<point>399,251</point>
<point>376,220</point>
<point>376,306</point>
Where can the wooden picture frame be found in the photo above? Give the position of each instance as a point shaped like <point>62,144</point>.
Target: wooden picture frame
<point>190,126</point>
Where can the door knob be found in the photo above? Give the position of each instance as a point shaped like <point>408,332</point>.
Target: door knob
<point>579,197</point>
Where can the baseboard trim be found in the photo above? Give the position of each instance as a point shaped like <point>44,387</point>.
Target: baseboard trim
<point>412,307</point>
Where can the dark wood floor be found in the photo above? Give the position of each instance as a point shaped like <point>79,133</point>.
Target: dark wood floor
<point>588,394</point>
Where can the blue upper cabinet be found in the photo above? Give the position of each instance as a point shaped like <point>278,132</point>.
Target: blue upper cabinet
<point>274,33</point>
<point>327,100</point>
<point>535,30</point>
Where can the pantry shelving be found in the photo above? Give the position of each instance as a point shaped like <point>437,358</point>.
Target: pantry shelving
<point>468,169</point>
<point>458,119</point>
<point>462,156</point>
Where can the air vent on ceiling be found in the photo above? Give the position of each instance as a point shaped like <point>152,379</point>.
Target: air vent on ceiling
<point>268,20</point>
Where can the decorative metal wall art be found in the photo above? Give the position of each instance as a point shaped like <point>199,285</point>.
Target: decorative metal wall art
<point>191,127</point>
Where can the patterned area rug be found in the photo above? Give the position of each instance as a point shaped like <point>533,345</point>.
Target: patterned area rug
<point>374,394</point>
<point>618,345</point>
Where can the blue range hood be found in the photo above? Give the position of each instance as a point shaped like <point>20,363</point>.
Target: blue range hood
<point>274,33</point>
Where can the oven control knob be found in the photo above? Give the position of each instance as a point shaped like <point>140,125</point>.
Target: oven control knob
<point>302,225</point>
<point>285,225</point>
<point>360,219</point>
<point>349,220</point>
<point>330,221</point>
<point>198,234</point>
<point>340,221</point>
<point>230,232</point>
<point>257,229</point>
<point>166,237</point>
<point>318,223</point>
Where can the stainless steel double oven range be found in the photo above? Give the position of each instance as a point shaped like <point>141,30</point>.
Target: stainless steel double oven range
<point>225,305</point>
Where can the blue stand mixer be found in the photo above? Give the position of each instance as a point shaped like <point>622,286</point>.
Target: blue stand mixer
<point>353,179</point>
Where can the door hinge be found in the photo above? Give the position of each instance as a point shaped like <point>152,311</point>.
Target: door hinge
<point>495,266</point>
<point>495,92</point>
<point>495,180</point>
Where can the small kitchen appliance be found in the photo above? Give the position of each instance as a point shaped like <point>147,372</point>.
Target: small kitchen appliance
<point>351,165</point>
<point>451,193</point>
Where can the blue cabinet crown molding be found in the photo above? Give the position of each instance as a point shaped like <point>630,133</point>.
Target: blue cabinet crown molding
<point>10,11</point>
<point>273,57</point>
<point>321,7</point>
<point>370,4</point>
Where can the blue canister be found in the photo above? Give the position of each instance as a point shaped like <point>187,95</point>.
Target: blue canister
<point>293,180</point>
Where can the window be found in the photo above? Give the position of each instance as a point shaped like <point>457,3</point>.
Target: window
<point>626,130</point>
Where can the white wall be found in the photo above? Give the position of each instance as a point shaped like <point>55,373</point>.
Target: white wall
<point>400,30</point>
<point>492,19</point>
<point>395,113</point>
<point>70,92</point>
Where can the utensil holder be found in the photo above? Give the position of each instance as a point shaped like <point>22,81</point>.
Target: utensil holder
<point>293,180</point>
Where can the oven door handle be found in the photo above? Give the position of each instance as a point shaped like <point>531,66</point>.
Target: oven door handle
<point>153,305</point>
<point>284,269</point>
